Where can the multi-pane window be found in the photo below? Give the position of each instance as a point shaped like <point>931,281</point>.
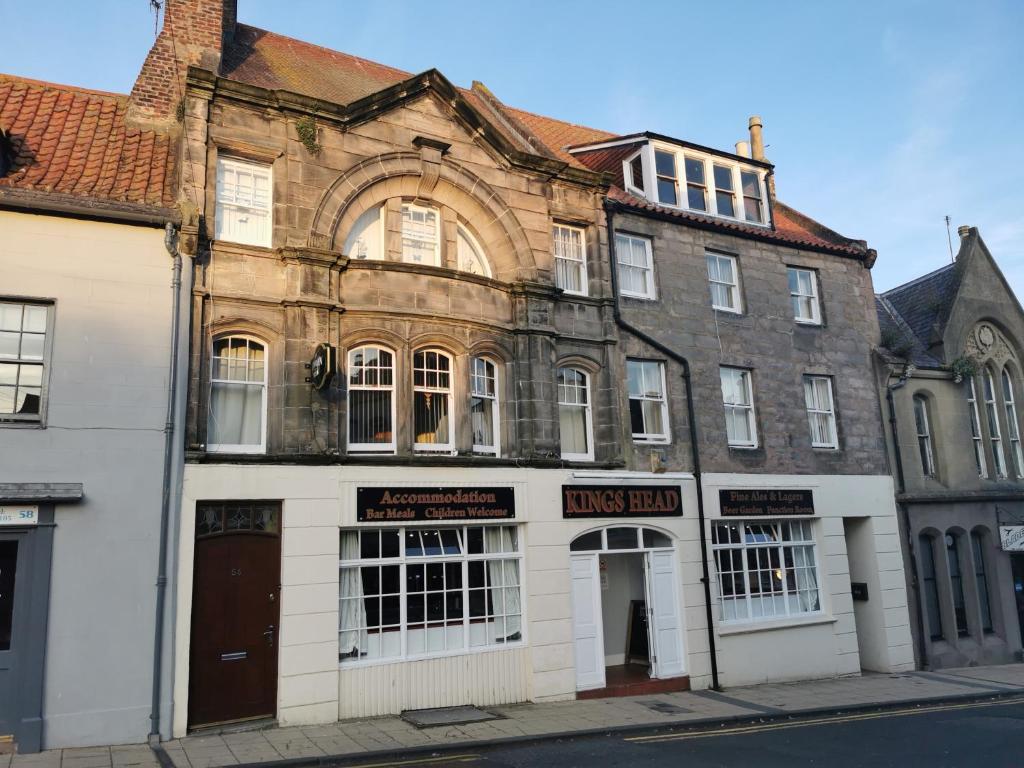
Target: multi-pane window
<point>483,408</point>
<point>432,400</point>
<point>421,243</point>
<point>238,396</point>
<point>956,584</point>
<point>926,549</point>
<point>725,195</point>
<point>1012,428</point>
<point>766,570</point>
<point>23,329</point>
<point>723,278</point>
<point>415,592</point>
<point>821,411</point>
<point>574,415</point>
<point>696,184</point>
<point>371,399</point>
<point>992,415</point>
<point>924,436</point>
<point>470,255</point>
<point>665,171</point>
<point>570,255</point>
<point>365,241</point>
<point>752,207</point>
<point>803,295</point>
<point>979,445</point>
<point>243,202</point>
<point>636,266</point>
<point>981,581</point>
<point>738,401</point>
<point>648,409</point>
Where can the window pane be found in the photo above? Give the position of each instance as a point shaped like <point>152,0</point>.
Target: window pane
<point>10,317</point>
<point>364,239</point>
<point>723,178</point>
<point>588,542</point>
<point>694,170</point>
<point>572,422</point>
<point>636,170</point>
<point>655,539</point>
<point>369,416</point>
<point>665,163</point>
<point>724,202</point>
<point>695,198</point>
<point>34,319</point>
<point>236,414</point>
<point>623,538</point>
<point>667,192</point>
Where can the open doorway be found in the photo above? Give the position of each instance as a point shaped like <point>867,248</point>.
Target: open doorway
<point>626,626</point>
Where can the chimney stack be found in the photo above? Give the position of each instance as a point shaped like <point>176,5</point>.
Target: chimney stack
<point>756,139</point>
<point>194,33</point>
<point>743,148</point>
<point>963,230</point>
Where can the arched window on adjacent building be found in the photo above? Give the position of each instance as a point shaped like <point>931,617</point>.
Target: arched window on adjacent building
<point>925,445</point>
<point>371,399</point>
<point>1012,428</point>
<point>981,580</point>
<point>574,415</point>
<point>432,400</point>
<point>237,419</point>
<point>992,416</point>
<point>484,411</point>
<point>976,438</point>
<point>956,584</point>
<point>926,549</point>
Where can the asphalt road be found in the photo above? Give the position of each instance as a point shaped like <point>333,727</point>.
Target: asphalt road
<point>989,734</point>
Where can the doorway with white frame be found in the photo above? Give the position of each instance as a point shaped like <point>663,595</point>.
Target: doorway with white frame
<point>625,599</point>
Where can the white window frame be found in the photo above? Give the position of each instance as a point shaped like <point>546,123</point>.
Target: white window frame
<point>628,177</point>
<point>826,411</point>
<point>1012,425</point>
<point>923,431</point>
<point>236,164</point>
<point>449,392</point>
<point>815,318</point>
<point>762,219</point>
<point>741,550</point>
<point>587,412</point>
<point>434,243</point>
<point>403,560</point>
<point>746,377</point>
<point>733,287</point>
<point>20,361</point>
<point>661,399</point>
<point>478,252</point>
<point>706,186</point>
<point>228,447</point>
<point>370,447</point>
<point>570,262</point>
<point>976,437</point>
<point>628,239</point>
<point>731,169</point>
<point>995,435</point>
<point>492,450</point>
<point>659,176</point>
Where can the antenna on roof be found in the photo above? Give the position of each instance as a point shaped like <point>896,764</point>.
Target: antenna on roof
<point>155,7</point>
<point>949,239</point>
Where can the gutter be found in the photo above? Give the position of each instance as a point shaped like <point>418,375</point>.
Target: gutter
<point>609,208</point>
<point>85,208</point>
<point>171,244</point>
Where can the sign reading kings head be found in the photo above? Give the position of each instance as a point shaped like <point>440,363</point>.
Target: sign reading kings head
<point>587,501</point>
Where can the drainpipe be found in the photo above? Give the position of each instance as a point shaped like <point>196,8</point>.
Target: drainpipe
<point>922,648</point>
<point>609,208</point>
<point>171,244</point>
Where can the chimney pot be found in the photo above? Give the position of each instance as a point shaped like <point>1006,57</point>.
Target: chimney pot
<point>963,230</point>
<point>756,137</point>
<point>743,148</point>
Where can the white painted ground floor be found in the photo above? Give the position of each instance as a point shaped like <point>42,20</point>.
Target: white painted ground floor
<point>312,594</point>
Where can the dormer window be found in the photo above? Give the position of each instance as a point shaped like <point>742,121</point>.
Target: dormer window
<point>752,208</point>
<point>725,197</point>
<point>636,173</point>
<point>696,187</point>
<point>668,188</point>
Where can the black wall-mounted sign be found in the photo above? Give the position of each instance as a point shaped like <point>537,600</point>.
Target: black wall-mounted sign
<point>321,367</point>
<point>753,502</point>
<point>391,504</point>
<point>586,501</point>
<point>859,590</point>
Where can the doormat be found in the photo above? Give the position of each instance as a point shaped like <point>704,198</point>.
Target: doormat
<point>431,718</point>
<point>664,708</point>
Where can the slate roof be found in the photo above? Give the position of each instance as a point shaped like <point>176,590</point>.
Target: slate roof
<point>919,311</point>
<point>74,143</point>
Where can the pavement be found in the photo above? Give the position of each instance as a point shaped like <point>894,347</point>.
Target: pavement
<point>391,736</point>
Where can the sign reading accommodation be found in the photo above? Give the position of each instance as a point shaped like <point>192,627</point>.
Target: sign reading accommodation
<point>19,515</point>
<point>585,501</point>
<point>382,505</point>
<point>1012,538</point>
<point>754,502</point>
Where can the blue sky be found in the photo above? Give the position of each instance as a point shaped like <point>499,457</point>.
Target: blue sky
<point>881,117</point>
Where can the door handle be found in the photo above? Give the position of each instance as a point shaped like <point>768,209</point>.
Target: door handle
<point>269,634</point>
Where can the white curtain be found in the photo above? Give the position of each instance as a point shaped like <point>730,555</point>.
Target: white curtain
<point>806,578</point>
<point>353,636</point>
<point>573,426</point>
<point>503,576</point>
<point>236,413</point>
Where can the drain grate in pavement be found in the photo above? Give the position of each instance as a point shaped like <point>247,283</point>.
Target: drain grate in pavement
<point>664,708</point>
<point>431,718</point>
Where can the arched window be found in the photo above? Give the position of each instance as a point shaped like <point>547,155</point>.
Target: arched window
<point>981,580</point>
<point>979,445</point>
<point>1012,430</point>
<point>365,241</point>
<point>483,390</point>
<point>992,416</point>
<point>926,549</point>
<point>956,583</point>
<point>470,254</point>
<point>237,420</point>
<point>371,399</point>
<point>574,415</point>
<point>432,400</point>
<point>924,436</point>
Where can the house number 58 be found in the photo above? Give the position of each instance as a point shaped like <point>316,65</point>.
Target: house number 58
<point>236,571</point>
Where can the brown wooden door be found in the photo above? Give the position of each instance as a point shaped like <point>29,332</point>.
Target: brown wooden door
<point>233,661</point>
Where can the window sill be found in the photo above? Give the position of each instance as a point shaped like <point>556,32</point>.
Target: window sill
<point>727,310</point>
<point>748,627</point>
<point>637,296</point>
<point>808,323</point>
<point>236,449</point>
<point>22,424</point>
<point>651,440</point>
<point>738,447</point>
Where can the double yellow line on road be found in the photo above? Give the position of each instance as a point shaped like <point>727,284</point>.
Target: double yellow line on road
<point>784,725</point>
<point>440,759</point>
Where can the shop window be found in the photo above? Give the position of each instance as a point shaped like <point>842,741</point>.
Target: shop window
<point>23,360</point>
<point>930,587</point>
<point>956,583</point>
<point>243,202</point>
<point>766,570</point>
<point>417,592</point>
<point>976,438</point>
<point>483,406</point>
<point>981,580</point>
<point>738,401</point>
<point>648,406</point>
<point>636,266</point>
<point>821,411</point>
<point>371,400</point>
<point>421,243</point>
<point>992,415</point>
<point>922,424</point>
<point>432,400</point>
<point>570,254</point>
<point>365,241</point>
<point>238,396</point>
<point>1012,428</point>
<point>803,295</point>
<point>574,415</point>
<point>723,278</point>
